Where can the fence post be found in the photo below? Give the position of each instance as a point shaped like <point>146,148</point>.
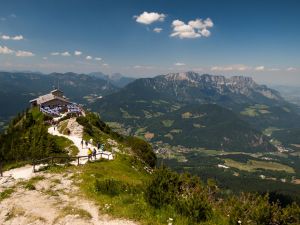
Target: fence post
<point>78,161</point>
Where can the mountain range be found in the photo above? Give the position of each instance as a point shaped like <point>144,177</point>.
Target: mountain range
<point>184,108</point>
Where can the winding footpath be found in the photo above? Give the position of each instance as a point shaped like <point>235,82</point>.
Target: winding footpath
<point>26,172</point>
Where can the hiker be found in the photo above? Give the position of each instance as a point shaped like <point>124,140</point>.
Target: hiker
<point>86,143</point>
<point>91,141</point>
<point>94,153</point>
<point>90,154</point>
<point>102,147</point>
<point>82,143</point>
<point>98,145</point>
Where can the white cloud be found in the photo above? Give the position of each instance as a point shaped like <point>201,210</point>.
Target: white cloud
<point>77,53</point>
<point>98,58</point>
<point>260,68</point>
<point>89,57</point>
<point>45,58</point>
<point>291,69</point>
<point>60,53</point>
<point>105,65</point>
<point>5,37</point>
<point>236,67</point>
<point>5,50</point>
<point>193,29</point>
<point>148,18</point>
<point>157,29</point>
<point>24,54</point>
<point>19,53</point>
<point>179,64</point>
<point>65,54</point>
<point>15,38</point>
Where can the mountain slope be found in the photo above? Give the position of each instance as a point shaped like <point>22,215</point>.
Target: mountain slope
<point>143,104</point>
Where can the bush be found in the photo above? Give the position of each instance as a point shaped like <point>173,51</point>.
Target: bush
<point>195,205</point>
<point>162,188</point>
<point>256,210</point>
<point>184,192</point>
<point>109,187</point>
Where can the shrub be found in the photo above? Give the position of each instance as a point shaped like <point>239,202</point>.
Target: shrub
<point>256,210</point>
<point>162,188</point>
<point>184,192</point>
<point>195,205</point>
<point>109,187</point>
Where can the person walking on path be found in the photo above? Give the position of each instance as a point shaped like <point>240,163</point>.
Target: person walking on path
<point>82,143</point>
<point>98,146</point>
<point>86,143</point>
<point>89,154</point>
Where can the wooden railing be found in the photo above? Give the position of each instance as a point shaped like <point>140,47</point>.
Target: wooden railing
<point>66,159</point>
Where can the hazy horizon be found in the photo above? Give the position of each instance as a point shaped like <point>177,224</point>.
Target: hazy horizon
<point>147,38</point>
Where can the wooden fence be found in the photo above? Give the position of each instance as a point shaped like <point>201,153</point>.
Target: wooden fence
<point>66,159</point>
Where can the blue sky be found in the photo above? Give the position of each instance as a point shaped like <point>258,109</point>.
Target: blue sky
<point>147,38</point>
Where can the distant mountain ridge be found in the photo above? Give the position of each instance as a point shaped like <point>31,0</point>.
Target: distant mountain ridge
<point>152,108</point>
<point>116,79</point>
<point>196,87</point>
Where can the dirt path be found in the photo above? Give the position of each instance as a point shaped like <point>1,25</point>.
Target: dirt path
<point>54,199</point>
<point>26,172</point>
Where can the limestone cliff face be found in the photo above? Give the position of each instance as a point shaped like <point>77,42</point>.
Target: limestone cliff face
<point>191,85</point>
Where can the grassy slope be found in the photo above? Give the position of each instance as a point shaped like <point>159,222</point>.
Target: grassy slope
<point>129,204</point>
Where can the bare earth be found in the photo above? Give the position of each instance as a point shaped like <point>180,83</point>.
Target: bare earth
<point>56,200</point>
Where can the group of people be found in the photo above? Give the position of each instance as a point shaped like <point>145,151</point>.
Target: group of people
<point>92,153</point>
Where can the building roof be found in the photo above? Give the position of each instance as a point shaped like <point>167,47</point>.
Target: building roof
<point>48,97</point>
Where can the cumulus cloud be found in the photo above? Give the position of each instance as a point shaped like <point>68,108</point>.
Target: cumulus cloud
<point>24,54</point>
<point>89,57</point>
<point>260,68</point>
<point>17,38</point>
<point>65,54</point>
<point>14,38</point>
<point>157,29</point>
<point>77,53</point>
<point>98,58</point>
<point>60,53</point>
<point>193,29</point>
<point>5,50</point>
<point>151,17</point>
<point>179,64</point>
<point>19,53</point>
